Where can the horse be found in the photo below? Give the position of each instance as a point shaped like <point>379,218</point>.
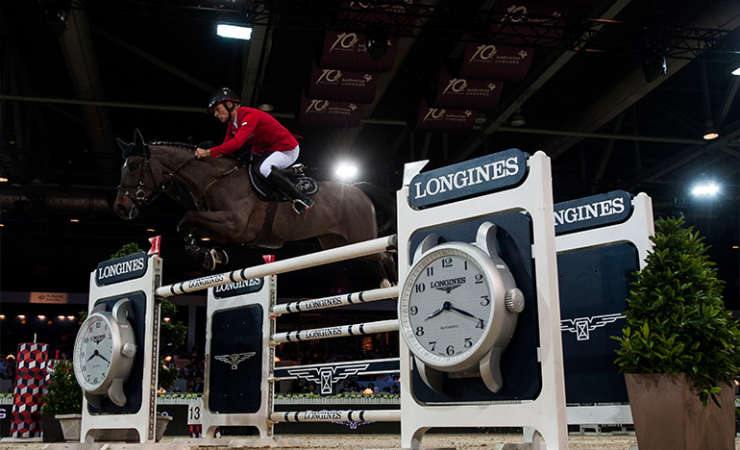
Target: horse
<point>222,204</point>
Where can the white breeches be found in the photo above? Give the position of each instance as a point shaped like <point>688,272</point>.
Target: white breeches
<point>281,160</point>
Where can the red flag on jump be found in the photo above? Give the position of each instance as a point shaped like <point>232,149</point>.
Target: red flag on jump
<point>155,242</point>
<point>268,258</point>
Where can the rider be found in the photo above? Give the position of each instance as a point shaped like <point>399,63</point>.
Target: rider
<point>266,136</point>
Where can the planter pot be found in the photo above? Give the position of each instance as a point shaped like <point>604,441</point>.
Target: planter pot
<point>52,429</point>
<point>162,422</point>
<point>668,414</point>
<point>70,424</point>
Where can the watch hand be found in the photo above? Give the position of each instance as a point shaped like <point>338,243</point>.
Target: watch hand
<point>104,358</point>
<point>95,353</point>
<point>464,313</point>
<point>435,313</point>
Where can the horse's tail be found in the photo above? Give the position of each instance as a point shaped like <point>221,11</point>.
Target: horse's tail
<point>385,206</point>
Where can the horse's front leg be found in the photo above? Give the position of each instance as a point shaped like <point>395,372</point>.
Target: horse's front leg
<point>221,226</point>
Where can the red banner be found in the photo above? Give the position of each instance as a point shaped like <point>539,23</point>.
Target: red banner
<point>528,23</point>
<point>498,62</point>
<point>329,113</point>
<point>155,243</point>
<point>346,50</point>
<point>336,84</point>
<point>467,93</point>
<point>442,119</point>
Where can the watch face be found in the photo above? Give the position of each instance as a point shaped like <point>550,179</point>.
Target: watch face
<point>447,306</point>
<point>93,352</point>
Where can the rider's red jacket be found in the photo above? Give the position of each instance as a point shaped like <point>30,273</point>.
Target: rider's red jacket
<point>257,128</point>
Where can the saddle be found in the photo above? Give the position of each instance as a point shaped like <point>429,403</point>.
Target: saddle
<point>305,184</point>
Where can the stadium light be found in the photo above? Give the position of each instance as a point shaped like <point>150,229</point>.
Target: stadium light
<point>346,170</point>
<point>233,31</point>
<point>708,189</point>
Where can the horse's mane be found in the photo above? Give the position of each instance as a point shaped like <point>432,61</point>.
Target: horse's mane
<point>178,145</point>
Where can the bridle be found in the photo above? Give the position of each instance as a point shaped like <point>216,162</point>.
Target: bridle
<point>139,196</point>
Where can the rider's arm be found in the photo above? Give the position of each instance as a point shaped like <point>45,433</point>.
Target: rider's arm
<point>243,134</point>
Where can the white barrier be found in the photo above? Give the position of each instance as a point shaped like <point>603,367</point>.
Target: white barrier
<point>321,258</point>
<point>336,300</point>
<point>347,415</point>
<point>356,329</point>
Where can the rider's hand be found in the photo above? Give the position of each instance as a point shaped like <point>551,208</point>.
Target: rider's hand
<point>201,153</point>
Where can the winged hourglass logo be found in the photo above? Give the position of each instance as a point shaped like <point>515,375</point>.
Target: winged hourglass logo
<point>328,376</point>
<point>234,359</point>
<point>583,326</point>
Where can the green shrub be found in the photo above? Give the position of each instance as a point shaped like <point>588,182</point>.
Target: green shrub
<point>64,395</point>
<point>676,319</point>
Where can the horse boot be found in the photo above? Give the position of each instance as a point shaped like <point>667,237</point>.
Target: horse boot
<point>207,258</point>
<point>301,202</point>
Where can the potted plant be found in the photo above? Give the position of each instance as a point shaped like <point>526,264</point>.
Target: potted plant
<point>679,347</point>
<point>62,405</point>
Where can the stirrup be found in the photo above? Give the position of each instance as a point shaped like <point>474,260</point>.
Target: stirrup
<point>301,206</point>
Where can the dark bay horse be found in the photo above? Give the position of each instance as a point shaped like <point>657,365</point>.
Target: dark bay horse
<point>222,204</point>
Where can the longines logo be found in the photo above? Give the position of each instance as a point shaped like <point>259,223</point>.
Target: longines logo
<point>120,269</point>
<point>583,326</point>
<point>234,359</point>
<point>484,174</point>
<point>592,211</point>
<point>447,285</point>
<point>98,339</point>
<point>328,376</point>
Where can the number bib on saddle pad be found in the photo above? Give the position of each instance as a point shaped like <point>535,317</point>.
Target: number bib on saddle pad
<point>264,188</point>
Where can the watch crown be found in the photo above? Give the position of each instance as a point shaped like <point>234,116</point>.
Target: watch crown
<point>128,350</point>
<point>514,300</point>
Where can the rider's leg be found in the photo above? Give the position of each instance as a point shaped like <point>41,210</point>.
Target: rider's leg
<point>270,168</point>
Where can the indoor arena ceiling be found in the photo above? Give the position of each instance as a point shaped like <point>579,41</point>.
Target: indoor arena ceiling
<point>76,74</point>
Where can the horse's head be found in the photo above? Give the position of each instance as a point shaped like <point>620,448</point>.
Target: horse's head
<point>137,181</point>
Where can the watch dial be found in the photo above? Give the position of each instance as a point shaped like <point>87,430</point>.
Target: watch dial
<point>449,305</point>
<point>94,351</point>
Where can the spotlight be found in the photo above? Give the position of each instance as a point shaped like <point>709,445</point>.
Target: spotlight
<point>205,239</point>
<point>22,316</point>
<point>376,43</point>
<point>710,135</point>
<point>266,107</point>
<point>735,247</point>
<point>74,220</point>
<point>346,171</point>
<point>3,180</point>
<point>518,120</point>
<point>166,319</point>
<point>150,230</point>
<point>70,317</point>
<point>705,189</point>
<point>233,31</point>
<point>736,72</point>
<point>2,316</point>
<point>654,68</point>
<point>41,317</point>
<point>61,317</point>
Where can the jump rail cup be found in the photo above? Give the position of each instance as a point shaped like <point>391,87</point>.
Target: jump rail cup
<point>378,415</point>
<point>321,258</point>
<point>336,300</point>
<point>357,329</point>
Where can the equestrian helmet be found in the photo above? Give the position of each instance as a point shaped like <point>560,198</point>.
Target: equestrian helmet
<point>222,95</point>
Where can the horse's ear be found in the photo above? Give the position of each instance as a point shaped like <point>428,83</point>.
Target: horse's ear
<point>140,144</point>
<point>126,148</point>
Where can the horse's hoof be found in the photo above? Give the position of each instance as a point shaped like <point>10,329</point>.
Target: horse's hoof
<point>209,261</point>
<point>220,256</point>
<point>386,283</point>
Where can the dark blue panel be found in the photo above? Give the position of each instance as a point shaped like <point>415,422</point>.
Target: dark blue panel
<point>594,285</point>
<point>235,383</point>
<point>519,366</point>
<point>121,269</point>
<point>132,388</point>
<point>469,178</point>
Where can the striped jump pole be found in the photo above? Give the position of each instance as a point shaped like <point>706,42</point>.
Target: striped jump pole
<point>336,300</point>
<point>351,251</point>
<point>349,415</point>
<point>357,329</point>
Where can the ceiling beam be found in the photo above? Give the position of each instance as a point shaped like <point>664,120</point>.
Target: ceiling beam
<point>622,94</point>
<point>79,56</point>
<point>729,99</point>
<point>533,83</point>
<point>257,54</point>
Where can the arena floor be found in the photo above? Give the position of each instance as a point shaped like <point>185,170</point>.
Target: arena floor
<point>350,441</point>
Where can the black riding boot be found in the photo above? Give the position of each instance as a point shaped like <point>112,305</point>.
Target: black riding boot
<point>301,202</point>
